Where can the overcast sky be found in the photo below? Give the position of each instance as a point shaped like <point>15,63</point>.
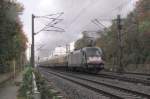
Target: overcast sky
<point>76,18</point>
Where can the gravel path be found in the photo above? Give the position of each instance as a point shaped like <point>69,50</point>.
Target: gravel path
<point>9,90</point>
<point>5,77</point>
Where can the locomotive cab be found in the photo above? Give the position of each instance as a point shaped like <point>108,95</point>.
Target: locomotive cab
<point>93,57</point>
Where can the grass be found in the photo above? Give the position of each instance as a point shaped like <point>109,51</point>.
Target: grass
<point>46,92</point>
<point>26,86</point>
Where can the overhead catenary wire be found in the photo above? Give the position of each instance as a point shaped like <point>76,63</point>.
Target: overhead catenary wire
<point>120,6</point>
<point>117,8</point>
<point>84,9</point>
<point>43,29</point>
<point>50,15</point>
<point>53,22</point>
<point>93,21</point>
<point>99,24</point>
<point>80,13</point>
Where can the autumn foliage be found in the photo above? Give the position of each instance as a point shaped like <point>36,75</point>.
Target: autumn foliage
<point>12,38</point>
<point>135,35</point>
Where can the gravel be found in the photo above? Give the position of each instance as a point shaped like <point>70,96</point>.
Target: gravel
<point>115,82</point>
<point>72,90</point>
<point>142,77</point>
<point>124,95</point>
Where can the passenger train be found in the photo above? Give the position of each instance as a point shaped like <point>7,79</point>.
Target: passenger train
<point>88,59</point>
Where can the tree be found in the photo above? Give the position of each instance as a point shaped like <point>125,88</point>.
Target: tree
<point>85,41</point>
<point>135,37</point>
<point>12,39</point>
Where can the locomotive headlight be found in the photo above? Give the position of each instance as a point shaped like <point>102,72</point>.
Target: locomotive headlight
<point>94,59</point>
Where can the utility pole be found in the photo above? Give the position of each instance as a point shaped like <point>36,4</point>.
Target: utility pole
<point>67,48</point>
<point>49,27</point>
<point>32,46</point>
<point>119,38</point>
<point>38,60</point>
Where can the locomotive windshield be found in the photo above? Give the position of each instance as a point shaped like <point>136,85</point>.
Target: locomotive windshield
<point>93,52</point>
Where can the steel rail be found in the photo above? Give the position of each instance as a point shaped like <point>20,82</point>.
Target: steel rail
<point>97,90</point>
<point>126,79</point>
<point>113,86</point>
<point>100,83</point>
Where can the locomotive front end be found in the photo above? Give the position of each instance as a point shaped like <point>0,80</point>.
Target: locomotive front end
<point>94,59</point>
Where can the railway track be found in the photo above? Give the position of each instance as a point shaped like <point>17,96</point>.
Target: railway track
<point>143,79</point>
<point>126,79</point>
<point>141,74</point>
<point>147,76</point>
<point>137,75</point>
<point>114,92</point>
<point>133,73</point>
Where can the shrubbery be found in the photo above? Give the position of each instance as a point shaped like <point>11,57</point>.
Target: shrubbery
<point>26,86</point>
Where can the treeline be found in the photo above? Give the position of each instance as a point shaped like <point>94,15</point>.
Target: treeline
<point>86,40</point>
<point>135,35</point>
<point>12,38</point>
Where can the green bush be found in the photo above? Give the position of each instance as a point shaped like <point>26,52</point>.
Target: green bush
<point>46,92</point>
<point>26,86</point>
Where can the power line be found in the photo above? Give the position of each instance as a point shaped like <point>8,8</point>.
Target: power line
<point>100,23</point>
<point>93,21</point>
<point>49,15</point>
<point>119,7</point>
<point>43,29</point>
<point>53,22</point>
<point>80,13</point>
<point>97,22</point>
<point>40,47</point>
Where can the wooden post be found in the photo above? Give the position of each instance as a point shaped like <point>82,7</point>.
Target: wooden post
<point>14,68</point>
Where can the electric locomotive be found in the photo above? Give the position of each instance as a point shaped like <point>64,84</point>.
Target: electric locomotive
<point>86,59</point>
